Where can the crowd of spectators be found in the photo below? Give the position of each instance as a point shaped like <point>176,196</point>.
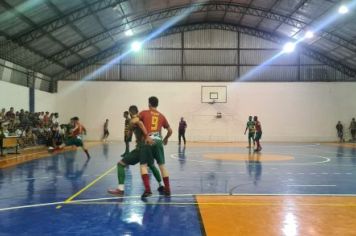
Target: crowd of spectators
<point>32,128</point>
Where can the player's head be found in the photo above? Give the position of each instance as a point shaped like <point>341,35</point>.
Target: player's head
<point>75,118</point>
<point>126,114</point>
<point>182,118</point>
<point>133,110</point>
<point>255,118</point>
<point>153,102</point>
<point>250,118</point>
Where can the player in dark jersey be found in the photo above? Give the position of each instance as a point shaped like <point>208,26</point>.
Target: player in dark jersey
<point>153,121</point>
<point>258,133</point>
<point>250,126</point>
<point>127,137</point>
<point>132,158</point>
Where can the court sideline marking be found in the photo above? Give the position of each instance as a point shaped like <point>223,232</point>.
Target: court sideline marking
<point>68,200</point>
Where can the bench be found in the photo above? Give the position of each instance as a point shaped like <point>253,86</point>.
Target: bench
<point>10,142</point>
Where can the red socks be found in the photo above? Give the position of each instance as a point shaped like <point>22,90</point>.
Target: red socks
<point>146,182</point>
<point>166,184</point>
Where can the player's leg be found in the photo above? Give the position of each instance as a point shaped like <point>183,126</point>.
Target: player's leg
<point>157,176</point>
<point>131,158</point>
<point>79,143</point>
<point>179,137</point>
<point>145,158</point>
<point>183,135</point>
<point>158,154</point>
<point>250,137</point>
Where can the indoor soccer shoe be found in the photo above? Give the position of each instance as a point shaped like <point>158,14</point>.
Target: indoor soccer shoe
<point>167,193</point>
<point>160,190</point>
<point>116,192</point>
<point>146,194</point>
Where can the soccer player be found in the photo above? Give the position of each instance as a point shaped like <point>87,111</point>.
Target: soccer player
<point>132,158</point>
<point>258,133</point>
<point>250,126</point>
<point>127,137</point>
<point>74,138</point>
<point>153,121</point>
<point>106,130</point>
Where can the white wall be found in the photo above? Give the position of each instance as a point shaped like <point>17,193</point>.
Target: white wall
<point>13,95</point>
<point>288,111</point>
<point>45,101</point>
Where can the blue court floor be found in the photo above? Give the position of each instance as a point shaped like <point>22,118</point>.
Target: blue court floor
<point>65,195</point>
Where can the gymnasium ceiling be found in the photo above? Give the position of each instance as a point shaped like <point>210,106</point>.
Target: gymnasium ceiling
<point>55,36</point>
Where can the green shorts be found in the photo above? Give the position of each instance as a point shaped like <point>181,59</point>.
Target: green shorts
<point>258,136</point>
<point>74,141</point>
<point>142,155</point>
<point>158,151</point>
<point>251,135</point>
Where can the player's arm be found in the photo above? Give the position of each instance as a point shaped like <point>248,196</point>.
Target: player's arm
<point>169,133</point>
<point>246,128</point>
<point>84,130</point>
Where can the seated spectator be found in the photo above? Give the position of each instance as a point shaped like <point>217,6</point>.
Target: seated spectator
<point>30,138</point>
<point>10,115</point>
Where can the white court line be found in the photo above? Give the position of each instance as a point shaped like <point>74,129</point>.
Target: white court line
<point>310,185</point>
<point>177,195</point>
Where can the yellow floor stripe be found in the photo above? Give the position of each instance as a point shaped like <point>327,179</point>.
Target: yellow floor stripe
<point>86,187</point>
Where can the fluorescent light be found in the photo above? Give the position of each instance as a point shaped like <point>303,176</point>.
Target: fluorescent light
<point>343,9</point>
<point>309,34</point>
<point>136,46</point>
<point>129,32</point>
<point>289,47</point>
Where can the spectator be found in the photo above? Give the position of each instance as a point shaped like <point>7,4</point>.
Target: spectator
<point>2,114</point>
<point>2,135</point>
<point>10,115</point>
<point>46,119</point>
<point>181,130</point>
<point>340,131</point>
<point>353,129</point>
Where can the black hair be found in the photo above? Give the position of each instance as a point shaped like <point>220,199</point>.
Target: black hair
<point>133,109</point>
<point>153,101</point>
<point>126,113</point>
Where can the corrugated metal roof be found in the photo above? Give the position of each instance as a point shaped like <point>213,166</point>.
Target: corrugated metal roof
<point>51,31</point>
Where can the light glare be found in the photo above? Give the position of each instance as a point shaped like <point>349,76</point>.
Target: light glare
<point>343,9</point>
<point>309,34</point>
<point>289,47</point>
<point>129,32</point>
<point>136,46</point>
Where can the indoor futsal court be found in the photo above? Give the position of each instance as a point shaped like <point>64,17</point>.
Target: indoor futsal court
<point>177,117</point>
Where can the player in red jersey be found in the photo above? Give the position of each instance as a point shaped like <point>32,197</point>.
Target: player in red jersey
<point>75,138</point>
<point>153,121</point>
<point>258,133</point>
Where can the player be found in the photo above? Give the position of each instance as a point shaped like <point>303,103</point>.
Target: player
<point>132,158</point>
<point>74,138</point>
<point>258,133</point>
<point>127,137</point>
<point>250,126</point>
<point>153,121</point>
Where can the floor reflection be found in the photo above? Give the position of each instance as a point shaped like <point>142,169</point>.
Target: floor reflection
<point>254,166</point>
